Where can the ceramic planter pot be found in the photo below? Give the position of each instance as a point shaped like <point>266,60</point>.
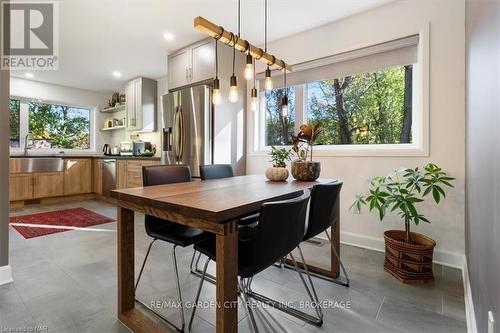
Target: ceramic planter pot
<point>306,170</point>
<point>277,173</point>
<point>408,262</point>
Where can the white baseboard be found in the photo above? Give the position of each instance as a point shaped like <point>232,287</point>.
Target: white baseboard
<point>5,275</point>
<point>445,258</point>
<point>469,303</point>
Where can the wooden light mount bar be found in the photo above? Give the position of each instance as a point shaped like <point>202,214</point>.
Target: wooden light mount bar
<point>203,25</point>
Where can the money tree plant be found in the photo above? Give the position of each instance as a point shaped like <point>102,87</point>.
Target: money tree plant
<point>402,191</point>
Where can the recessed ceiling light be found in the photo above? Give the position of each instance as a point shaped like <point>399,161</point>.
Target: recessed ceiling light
<point>117,74</point>
<point>168,36</point>
<point>29,75</point>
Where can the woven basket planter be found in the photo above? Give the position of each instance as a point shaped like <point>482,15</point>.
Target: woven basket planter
<point>409,262</point>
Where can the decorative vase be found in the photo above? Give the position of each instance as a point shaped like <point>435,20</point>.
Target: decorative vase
<point>306,170</point>
<point>277,173</point>
<point>408,262</point>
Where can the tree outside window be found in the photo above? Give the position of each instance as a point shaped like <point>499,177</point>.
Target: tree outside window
<point>59,127</point>
<point>278,128</point>
<point>368,108</point>
<point>14,120</point>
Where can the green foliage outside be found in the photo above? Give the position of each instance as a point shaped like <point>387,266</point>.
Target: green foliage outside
<point>14,109</point>
<point>64,127</point>
<point>367,108</point>
<point>279,129</point>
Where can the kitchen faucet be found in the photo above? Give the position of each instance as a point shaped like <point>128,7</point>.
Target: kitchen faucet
<point>26,145</point>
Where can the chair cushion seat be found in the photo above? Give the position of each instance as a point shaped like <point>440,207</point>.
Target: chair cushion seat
<point>174,233</point>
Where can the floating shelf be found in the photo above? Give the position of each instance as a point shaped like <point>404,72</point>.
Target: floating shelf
<point>114,109</point>
<point>112,128</point>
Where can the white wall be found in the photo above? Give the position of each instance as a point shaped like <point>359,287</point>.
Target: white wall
<point>65,95</point>
<point>447,115</point>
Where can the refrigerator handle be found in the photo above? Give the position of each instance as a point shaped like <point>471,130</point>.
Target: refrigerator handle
<point>167,139</point>
<point>178,134</point>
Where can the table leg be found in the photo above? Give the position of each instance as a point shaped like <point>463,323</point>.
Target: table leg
<point>126,259</point>
<point>227,279</point>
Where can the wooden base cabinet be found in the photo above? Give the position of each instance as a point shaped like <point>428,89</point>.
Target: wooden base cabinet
<point>49,184</point>
<point>20,186</point>
<point>97,176</point>
<point>77,176</point>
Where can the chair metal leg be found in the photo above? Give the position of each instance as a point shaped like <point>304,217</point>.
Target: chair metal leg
<point>179,294</point>
<point>318,321</point>
<point>344,283</point>
<point>244,289</point>
<point>178,329</point>
<point>197,298</point>
<point>318,308</point>
<point>196,271</point>
<point>144,264</point>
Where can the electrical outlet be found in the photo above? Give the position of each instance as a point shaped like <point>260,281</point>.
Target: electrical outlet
<point>491,322</point>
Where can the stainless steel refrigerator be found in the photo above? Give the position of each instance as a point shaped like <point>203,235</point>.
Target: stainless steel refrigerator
<point>187,133</point>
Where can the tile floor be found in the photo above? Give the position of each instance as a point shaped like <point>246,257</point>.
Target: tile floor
<point>67,283</point>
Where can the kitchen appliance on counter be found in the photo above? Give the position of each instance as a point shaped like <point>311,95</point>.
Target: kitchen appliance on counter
<point>106,149</point>
<point>126,148</point>
<point>115,150</point>
<point>187,136</point>
<point>139,147</point>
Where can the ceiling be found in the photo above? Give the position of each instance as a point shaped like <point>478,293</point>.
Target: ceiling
<point>98,37</point>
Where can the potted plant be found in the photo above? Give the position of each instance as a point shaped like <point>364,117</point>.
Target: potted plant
<point>279,157</point>
<point>304,168</point>
<point>408,255</point>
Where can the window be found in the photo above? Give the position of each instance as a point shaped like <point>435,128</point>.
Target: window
<point>367,108</point>
<point>59,127</point>
<point>278,128</point>
<point>15,124</point>
<point>363,99</point>
<point>52,126</point>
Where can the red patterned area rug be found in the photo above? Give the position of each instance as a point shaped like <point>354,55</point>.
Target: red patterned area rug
<point>41,224</point>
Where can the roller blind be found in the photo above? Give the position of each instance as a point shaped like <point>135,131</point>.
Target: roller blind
<point>394,53</point>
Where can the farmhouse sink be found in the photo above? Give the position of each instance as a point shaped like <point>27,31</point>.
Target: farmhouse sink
<point>37,164</point>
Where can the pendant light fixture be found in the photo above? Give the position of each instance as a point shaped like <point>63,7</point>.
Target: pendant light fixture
<point>284,99</point>
<point>216,85</point>
<point>268,82</point>
<point>249,67</point>
<point>233,87</point>
<point>253,94</point>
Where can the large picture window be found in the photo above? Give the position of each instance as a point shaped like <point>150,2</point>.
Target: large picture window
<point>51,126</point>
<point>363,99</point>
<point>59,127</point>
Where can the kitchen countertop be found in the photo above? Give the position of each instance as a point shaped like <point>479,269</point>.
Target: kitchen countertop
<point>98,156</point>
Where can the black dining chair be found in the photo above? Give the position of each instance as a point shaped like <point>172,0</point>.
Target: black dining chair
<point>322,206</point>
<point>216,171</point>
<point>167,231</point>
<point>280,230</point>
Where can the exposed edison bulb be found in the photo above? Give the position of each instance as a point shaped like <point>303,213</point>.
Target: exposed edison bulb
<point>268,83</point>
<point>233,90</point>
<point>249,68</point>
<point>216,92</point>
<point>284,106</point>
<point>253,99</point>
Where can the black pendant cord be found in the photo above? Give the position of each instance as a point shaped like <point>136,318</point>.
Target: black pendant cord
<point>216,60</point>
<point>284,82</point>
<point>265,26</point>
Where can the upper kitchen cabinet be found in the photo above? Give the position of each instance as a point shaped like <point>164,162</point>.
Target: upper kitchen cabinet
<point>193,64</point>
<point>141,96</point>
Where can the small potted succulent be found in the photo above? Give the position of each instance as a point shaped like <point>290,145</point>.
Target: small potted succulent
<point>408,255</point>
<point>304,168</point>
<point>279,157</point>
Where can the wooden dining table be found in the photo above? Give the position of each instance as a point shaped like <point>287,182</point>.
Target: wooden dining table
<point>213,206</point>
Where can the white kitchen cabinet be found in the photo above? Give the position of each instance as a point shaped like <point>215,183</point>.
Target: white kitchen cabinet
<point>141,99</point>
<point>178,68</point>
<point>192,64</point>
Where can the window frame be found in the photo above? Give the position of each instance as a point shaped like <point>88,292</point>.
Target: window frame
<point>420,113</point>
<point>24,128</point>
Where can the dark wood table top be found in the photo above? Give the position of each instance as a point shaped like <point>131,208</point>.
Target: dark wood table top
<point>217,200</point>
